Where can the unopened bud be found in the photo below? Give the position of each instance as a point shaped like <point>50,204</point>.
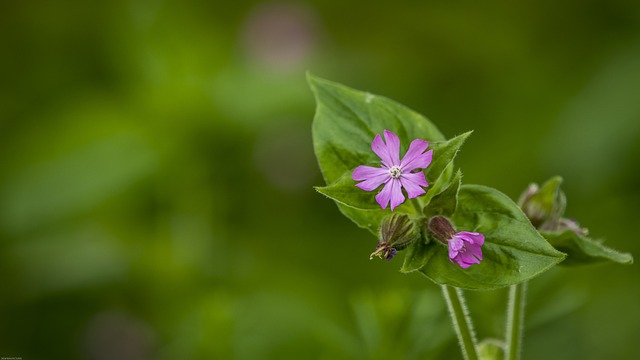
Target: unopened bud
<point>441,229</point>
<point>544,205</point>
<point>396,232</point>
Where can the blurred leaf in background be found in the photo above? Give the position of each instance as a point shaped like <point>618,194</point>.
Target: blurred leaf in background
<point>156,193</point>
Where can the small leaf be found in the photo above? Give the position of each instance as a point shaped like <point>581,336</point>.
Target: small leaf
<point>445,203</point>
<point>513,251</point>
<point>443,154</point>
<point>582,250</point>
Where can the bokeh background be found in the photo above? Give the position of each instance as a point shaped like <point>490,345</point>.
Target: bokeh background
<point>156,193</point>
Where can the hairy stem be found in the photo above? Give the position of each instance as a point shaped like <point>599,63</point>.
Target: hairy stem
<point>515,320</point>
<point>461,321</point>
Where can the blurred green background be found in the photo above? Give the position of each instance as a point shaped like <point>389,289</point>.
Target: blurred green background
<point>157,165</point>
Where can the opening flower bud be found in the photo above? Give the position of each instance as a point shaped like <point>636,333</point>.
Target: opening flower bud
<point>396,233</point>
<point>464,247</point>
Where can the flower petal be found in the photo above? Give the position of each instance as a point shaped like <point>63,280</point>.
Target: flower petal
<point>475,251</point>
<point>393,146</point>
<point>468,258</point>
<point>397,197</point>
<point>416,160</point>
<point>412,182</point>
<point>472,237</point>
<point>381,149</point>
<point>373,183</point>
<point>461,263</point>
<point>455,244</point>
<point>364,172</point>
<point>391,192</point>
<point>416,148</point>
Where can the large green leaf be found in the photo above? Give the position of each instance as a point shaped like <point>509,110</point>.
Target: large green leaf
<point>347,120</point>
<point>582,250</point>
<point>513,251</point>
<point>345,123</point>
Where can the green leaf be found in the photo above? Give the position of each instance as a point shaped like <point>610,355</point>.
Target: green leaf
<point>443,155</point>
<point>582,250</point>
<point>513,251</point>
<point>347,120</point>
<point>345,123</point>
<point>416,257</point>
<point>445,203</point>
<point>345,192</point>
<point>366,219</point>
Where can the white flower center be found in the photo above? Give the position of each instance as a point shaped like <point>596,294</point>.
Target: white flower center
<point>395,172</point>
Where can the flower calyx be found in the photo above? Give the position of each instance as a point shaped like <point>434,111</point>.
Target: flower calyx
<point>396,233</point>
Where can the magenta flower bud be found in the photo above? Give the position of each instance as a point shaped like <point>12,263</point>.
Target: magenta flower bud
<point>394,173</point>
<point>464,247</point>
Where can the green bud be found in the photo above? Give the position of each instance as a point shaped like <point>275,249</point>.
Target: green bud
<point>397,231</point>
<point>544,205</point>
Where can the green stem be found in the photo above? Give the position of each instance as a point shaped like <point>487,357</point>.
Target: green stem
<point>515,320</point>
<point>461,321</point>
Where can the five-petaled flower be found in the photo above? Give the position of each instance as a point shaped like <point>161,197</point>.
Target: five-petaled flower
<point>464,248</point>
<point>394,173</point>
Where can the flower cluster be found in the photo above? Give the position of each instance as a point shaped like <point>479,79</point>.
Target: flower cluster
<point>464,247</point>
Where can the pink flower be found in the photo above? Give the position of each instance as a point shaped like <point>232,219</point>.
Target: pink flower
<point>464,248</point>
<point>394,173</point>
